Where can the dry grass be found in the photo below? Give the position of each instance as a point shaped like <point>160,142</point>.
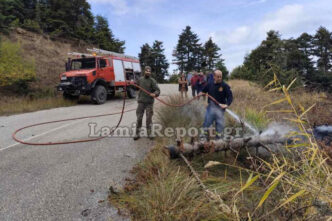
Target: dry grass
<point>49,55</point>
<point>252,97</point>
<point>164,190</point>
<point>305,179</point>
<point>283,188</point>
<point>16,105</point>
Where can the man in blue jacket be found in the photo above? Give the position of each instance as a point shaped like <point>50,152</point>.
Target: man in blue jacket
<point>210,77</point>
<point>220,91</point>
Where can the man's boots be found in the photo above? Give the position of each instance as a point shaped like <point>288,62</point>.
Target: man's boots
<point>137,135</point>
<point>150,135</point>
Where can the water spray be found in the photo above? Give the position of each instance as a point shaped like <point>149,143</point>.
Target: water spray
<point>238,119</point>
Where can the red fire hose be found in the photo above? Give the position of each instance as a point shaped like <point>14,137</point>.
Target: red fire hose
<point>95,116</point>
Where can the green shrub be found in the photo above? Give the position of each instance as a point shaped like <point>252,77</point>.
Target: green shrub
<point>15,71</point>
<point>258,119</point>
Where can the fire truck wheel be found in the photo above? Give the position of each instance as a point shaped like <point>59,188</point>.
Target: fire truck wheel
<point>131,92</point>
<point>99,94</point>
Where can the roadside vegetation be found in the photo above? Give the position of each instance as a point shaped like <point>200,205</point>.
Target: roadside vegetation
<point>16,75</point>
<point>35,40</point>
<point>16,105</point>
<point>252,103</point>
<point>306,58</point>
<point>294,186</point>
<point>15,71</point>
<point>48,17</point>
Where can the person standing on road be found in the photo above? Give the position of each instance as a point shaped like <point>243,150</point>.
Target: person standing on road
<point>222,92</point>
<point>193,82</point>
<point>183,85</point>
<point>189,76</point>
<point>145,101</point>
<point>210,77</point>
<point>200,82</point>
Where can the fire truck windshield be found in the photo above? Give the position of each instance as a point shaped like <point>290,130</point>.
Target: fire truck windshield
<point>83,63</point>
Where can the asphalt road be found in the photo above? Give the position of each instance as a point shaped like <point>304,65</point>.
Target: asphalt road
<point>66,182</point>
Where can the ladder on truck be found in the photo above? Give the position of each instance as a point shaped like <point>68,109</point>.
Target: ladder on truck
<point>104,52</point>
<point>79,54</point>
<point>97,51</point>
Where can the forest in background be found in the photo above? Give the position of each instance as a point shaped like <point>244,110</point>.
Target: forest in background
<point>307,58</point>
<point>59,19</point>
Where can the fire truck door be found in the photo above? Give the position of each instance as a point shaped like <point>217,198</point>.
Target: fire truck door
<point>118,70</point>
<point>104,70</point>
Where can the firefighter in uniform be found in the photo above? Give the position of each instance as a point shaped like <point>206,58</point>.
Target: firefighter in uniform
<point>145,101</point>
<point>222,92</point>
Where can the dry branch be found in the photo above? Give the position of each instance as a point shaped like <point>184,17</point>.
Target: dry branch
<point>235,145</point>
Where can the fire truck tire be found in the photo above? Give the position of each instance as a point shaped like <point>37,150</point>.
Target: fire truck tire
<point>99,94</point>
<point>131,92</point>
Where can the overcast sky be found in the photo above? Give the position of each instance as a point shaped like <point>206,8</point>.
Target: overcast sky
<point>237,26</point>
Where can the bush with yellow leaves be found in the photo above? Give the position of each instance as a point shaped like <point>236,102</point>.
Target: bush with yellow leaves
<point>15,71</point>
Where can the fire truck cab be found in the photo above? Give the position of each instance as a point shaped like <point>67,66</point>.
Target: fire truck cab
<point>99,75</point>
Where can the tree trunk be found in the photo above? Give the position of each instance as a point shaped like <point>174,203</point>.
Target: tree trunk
<point>234,145</point>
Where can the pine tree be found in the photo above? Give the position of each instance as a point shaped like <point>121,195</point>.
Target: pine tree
<point>272,48</point>
<point>59,18</point>
<point>160,65</point>
<point>269,58</point>
<point>104,37</point>
<point>221,66</point>
<point>155,58</point>
<point>29,9</point>
<point>297,60</point>
<point>322,42</point>
<point>211,54</point>
<point>81,19</point>
<point>290,59</point>
<point>145,56</point>
<point>10,10</point>
<point>304,44</point>
<point>42,8</point>
<point>188,51</point>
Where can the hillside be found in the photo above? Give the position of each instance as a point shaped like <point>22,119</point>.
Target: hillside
<point>49,54</point>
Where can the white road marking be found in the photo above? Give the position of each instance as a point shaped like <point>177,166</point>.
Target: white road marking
<point>54,129</point>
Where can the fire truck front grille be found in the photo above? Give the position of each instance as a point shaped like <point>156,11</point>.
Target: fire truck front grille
<point>79,81</point>
<point>76,81</point>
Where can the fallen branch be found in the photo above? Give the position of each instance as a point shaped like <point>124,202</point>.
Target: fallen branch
<point>235,145</point>
<point>209,194</point>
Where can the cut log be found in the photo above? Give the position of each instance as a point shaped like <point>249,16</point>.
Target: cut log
<point>234,145</point>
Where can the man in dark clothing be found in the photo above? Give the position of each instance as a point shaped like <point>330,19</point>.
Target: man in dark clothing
<point>220,91</point>
<point>201,82</point>
<point>193,82</point>
<point>210,77</point>
<point>145,101</point>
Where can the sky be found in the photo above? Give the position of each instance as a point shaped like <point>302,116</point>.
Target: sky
<point>237,26</point>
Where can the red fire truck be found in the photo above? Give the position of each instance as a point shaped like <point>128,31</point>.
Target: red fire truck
<point>99,74</point>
